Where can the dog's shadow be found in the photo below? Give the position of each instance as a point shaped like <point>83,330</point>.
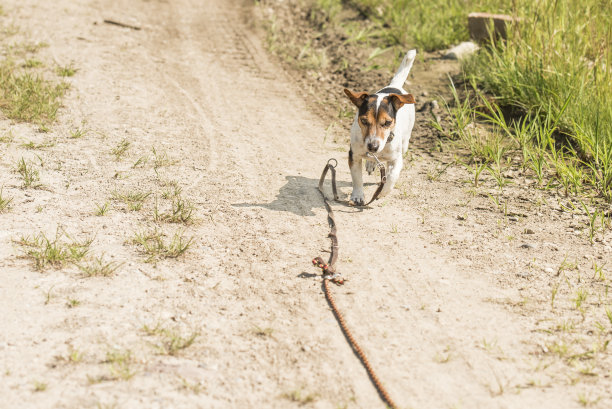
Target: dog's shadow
<point>300,195</point>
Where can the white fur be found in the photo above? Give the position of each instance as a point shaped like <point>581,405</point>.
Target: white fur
<point>392,152</point>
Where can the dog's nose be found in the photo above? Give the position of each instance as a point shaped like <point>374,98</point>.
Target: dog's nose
<point>373,146</point>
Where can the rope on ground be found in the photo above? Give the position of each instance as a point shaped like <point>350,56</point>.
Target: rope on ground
<point>330,274</point>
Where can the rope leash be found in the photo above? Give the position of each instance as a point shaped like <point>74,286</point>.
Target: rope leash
<point>330,274</point>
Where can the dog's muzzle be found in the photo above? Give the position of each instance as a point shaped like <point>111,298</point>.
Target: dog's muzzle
<point>374,145</point>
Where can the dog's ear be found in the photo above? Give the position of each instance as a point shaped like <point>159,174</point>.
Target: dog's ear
<point>399,100</point>
<point>357,98</point>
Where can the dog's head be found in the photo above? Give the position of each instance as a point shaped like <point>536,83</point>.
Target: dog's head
<point>376,115</point>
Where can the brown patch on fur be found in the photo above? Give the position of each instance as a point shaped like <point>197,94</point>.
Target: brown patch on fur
<point>399,100</point>
<point>357,98</point>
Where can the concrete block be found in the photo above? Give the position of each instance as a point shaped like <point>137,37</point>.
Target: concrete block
<point>479,23</point>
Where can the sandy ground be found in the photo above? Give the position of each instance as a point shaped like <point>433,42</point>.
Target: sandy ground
<point>449,296</point>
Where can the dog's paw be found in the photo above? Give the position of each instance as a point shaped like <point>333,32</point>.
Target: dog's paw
<point>357,199</point>
<point>370,166</point>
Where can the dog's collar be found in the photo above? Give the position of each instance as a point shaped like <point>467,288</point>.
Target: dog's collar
<point>391,136</point>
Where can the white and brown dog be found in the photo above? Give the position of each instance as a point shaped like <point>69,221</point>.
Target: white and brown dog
<point>382,126</point>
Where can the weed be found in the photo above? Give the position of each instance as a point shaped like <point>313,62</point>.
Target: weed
<point>101,210</point>
<point>161,159</point>
<point>444,356</point>
<point>120,362</point>
<point>581,296</point>
<point>74,356</point>
<point>567,265</point>
<point>27,97</point>
<point>180,212</point>
<point>66,71</point>
<point>72,302</point>
<point>171,341</point>
<point>4,201</point>
<point>48,295</point>
<point>299,397</point>
<point>152,243</point>
<point>585,400</point>
<point>196,387</point>
<point>28,173</point>
<point>78,133</point>
<point>40,386</point>
<point>598,272</point>
<point>55,252</point>
<point>32,145</point>
<point>121,148</point>
<point>262,332</point>
<point>476,170</point>
<point>140,162</point>
<point>98,267</point>
<point>32,63</point>
<point>7,137</point>
<point>133,200</point>
<point>553,295</point>
<point>501,181</point>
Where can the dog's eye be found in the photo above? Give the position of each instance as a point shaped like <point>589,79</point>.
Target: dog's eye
<point>387,124</point>
<point>364,121</point>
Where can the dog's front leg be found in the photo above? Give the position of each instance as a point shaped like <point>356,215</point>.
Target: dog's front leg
<point>394,168</point>
<point>355,166</point>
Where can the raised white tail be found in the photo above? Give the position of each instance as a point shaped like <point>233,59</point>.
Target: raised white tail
<point>404,69</point>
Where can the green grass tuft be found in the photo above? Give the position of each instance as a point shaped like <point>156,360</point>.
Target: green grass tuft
<point>54,252</point>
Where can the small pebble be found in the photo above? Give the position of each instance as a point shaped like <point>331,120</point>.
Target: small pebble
<point>529,231</point>
<point>513,218</point>
<point>528,246</point>
<point>549,270</point>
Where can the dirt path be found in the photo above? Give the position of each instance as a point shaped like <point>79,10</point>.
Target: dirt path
<point>196,85</point>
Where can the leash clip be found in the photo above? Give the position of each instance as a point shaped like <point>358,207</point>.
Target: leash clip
<point>371,155</point>
<point>330,161</point>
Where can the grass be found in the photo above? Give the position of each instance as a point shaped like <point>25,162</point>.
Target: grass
<point>55,252</point>
<point>98,267</point>
<point>72,303</point>
<point>161,159</point>
<point>28,97</point>
<point>4,201</point>
<point>102,209</point>
<point>121,148</point>
<point>7,137</point>
<point>171,341</point>
<point>66,71</point>
<point>155,246</point>
<point>120,364</point>
<point>298,396</point>
<point>32,145</point>
<point>26,94</point>
<point>29,174</point>
<point>180,212</point>
<point>40,386</point>
<point>553,74</point>
<point>133,200</point>
<point>78,133</point>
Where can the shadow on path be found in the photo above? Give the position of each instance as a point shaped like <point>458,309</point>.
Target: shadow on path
<point>299,196</point>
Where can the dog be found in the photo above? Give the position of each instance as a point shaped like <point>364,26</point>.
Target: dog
<point>382,126</point>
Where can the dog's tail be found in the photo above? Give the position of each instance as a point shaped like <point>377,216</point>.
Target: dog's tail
<point>404,69</point>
